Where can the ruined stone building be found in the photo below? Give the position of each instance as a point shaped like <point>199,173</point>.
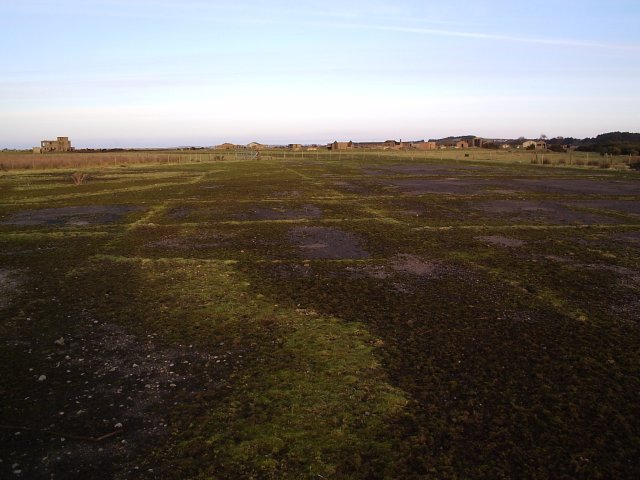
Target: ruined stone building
<point>62,144</point>
<point>425,145</point>
<point>340,145</point>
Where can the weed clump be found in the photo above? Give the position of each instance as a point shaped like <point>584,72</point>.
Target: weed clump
<point>79,178</point>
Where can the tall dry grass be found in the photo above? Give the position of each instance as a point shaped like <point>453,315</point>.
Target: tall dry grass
<point>34,161</point>
<point>79,160</point>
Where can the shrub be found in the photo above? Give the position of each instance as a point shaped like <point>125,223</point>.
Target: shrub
<point>79,178</point>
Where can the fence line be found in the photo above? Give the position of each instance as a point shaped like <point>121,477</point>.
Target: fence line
<point>79,160</point>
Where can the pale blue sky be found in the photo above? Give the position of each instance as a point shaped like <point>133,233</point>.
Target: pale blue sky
<point>168,72</point>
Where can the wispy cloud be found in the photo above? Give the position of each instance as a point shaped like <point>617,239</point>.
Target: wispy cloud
<point>480,36</point>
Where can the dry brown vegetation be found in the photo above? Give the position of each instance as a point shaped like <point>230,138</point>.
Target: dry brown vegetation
<point>26,161</point>
<point>78,159</point>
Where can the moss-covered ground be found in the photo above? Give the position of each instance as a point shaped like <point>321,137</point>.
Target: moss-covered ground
<point>320,318</point>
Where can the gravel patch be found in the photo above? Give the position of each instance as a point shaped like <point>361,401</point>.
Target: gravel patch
<point>10,281</point>
<point>100,380</point>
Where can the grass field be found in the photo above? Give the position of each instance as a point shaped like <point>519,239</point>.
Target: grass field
<point>24,160</point>
<point>352,316</point>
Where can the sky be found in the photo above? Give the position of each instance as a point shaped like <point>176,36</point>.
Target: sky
<point>161,73</point>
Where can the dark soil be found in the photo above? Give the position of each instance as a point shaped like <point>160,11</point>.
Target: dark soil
<point>327,243</point>
<point>501,241</point>
<point>9,284</point>
<point>424,169</point>
<point>600,186</point>
<point>99,380</point>
<point>622,206</point>
<point>545,211</point>
<point>350,187</point>
<point>194,242</point>
<point>279,213</point>
<point>449,186</point>
<point>71,216</point>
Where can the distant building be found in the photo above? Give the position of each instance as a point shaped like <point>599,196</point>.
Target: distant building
<point>477,142</point>
<point>392,145</point>
<point>368,145</point>
<point>534,145</point>
<point>62,144</point>
<point>425,145</point>
<point>340,146</point>
<point>255,146</point>
<point>226,146</point>
<point>295,147</point>
<point>454,144</point>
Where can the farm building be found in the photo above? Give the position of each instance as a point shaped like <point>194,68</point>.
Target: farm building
<point>340,146</point>
<point>454,144</point>
<point>534,145</point>
<point>368,145</point>
<point>255,146</point>
<point>392,144</point>
<point>425,145</point>
<point>61,144</point>
<point>295,147</point>
<point>226,146</point>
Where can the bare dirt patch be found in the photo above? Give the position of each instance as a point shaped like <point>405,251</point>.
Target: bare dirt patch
<point>280,213</point>
<point>406,273</point>
<point>72,216</point>
<point>621,206</point>
<point>403,264</point>
<point>193,242</point>
<point>545,211</point>
<point>450,186</point>
<point>327,243</point>
<point>350,187</point>
<point>501,241</point>
<point>578,186</point>
<point>422,169</point>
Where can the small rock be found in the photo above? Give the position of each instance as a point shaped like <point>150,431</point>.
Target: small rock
<point>117,425</point>
<point>42,378</point>
<point>59,341</point>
